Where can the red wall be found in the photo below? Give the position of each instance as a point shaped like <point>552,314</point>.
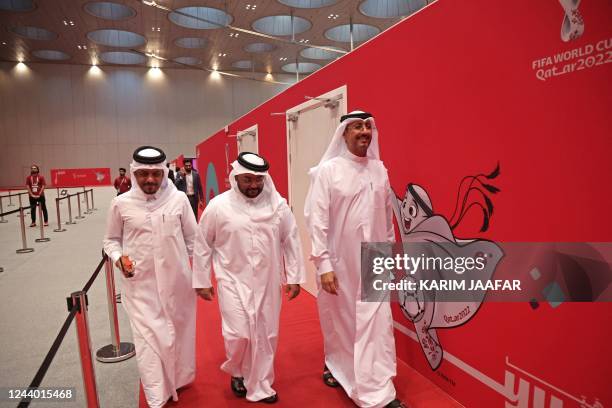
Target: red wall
<point>454,91</point>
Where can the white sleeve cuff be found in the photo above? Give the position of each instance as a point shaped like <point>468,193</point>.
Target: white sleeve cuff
<point>115,255</point>
<point>324,266</point>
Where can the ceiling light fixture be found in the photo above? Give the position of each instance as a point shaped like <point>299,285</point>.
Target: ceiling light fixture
<point>251,7</point>
<point>234,35</point>
<point>333,16</point>
<point>231,27</point>
<point>282,59</point>
<point>222,54</point>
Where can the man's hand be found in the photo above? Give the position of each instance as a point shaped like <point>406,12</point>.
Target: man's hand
<point>206,293</point>
<point>182,172</point>
<point>292,290</point>
<point>126,265</point>
<point>329,282</point>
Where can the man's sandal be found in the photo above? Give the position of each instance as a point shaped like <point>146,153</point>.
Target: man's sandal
<point>272,399</point>
<point>396,404</point>
<point>237,384</point>
<point>329,379</point>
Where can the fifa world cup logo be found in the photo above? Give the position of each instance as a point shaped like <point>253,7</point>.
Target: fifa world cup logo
<point>572,26</point>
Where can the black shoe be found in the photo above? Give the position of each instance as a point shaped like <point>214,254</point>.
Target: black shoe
<point>272,399</point>
<point>396,404</point>
<point>237,384</point>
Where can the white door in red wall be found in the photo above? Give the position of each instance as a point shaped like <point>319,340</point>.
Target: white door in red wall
<point>310,127</point>
<point>247,140</point>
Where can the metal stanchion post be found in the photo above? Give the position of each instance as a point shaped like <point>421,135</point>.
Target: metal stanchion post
<point>2,220</point>
<point>79,203</point>
<point>42,226</point>
<point>25,248</point>
<point>88,211</point>
<point>59,220</point>
<point>10,204</point>
<point>117,351</point>
<point>84,341</point>
<point>19,196</point>
<point>92,200</point>
<point>69,212</point>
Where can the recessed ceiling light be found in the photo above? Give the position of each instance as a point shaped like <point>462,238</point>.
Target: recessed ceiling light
<point>3,42</point>
<point>68,23</point>
<point>282,59</point>
<point>82,47</point>
<point>333,16</point>
<point>251,7</point>
<point>234,35</point>
<point>222,54</point>
<point>158,29</point>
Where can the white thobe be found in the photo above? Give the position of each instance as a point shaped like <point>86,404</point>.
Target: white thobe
<point>350,203</point>
<point>158,235</point>
<point>251,259</point>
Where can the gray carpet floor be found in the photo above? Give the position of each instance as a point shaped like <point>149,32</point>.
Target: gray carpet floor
<point>33,289</point>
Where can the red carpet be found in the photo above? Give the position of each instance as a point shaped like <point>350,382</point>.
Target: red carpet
<point>299,361</point>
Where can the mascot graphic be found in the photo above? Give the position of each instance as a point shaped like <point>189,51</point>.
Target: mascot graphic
<point>432,235</point>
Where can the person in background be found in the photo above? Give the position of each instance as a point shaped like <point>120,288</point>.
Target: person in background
<point>188,181</point>
<point>36,190</point>
<point>170,172</point>
<point>122,183</point>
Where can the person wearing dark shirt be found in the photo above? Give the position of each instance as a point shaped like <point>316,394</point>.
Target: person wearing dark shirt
<point>170,172</point>
<point>36,190</point>
<point>122,183</point>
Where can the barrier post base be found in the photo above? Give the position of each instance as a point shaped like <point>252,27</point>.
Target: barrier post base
<point>42,239</point>
<point>24,250</point>
<point>3,221</point>
<point>79,217</point>
<point>69,223</point>
<point>110,354</point>
<point>59,229</point>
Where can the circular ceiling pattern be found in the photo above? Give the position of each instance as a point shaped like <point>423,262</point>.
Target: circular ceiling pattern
<point>116,38</point>
<point>110,11</point>
<point>243,64</point>
<point>342,33</point>
<point>390,8</point>
<point>35,33</point>
<point>281,25</point>
<point>259,47</point>
<point>122,57</point>
<point>51,55</point>
<point>16,5</point>
<point>319,54</point>
<point>308,4</point>
<point>191,42</point>
<point>200,18</point>
<point>188,60</point>
<point>303,67</point>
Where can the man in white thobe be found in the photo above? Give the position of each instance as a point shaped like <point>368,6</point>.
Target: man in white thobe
<point>349,202</point>
<point>250,238</point>
<point>150,234</point>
